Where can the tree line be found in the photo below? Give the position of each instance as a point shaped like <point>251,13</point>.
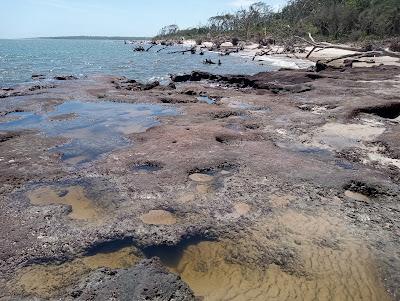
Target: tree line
<point>328,19</point>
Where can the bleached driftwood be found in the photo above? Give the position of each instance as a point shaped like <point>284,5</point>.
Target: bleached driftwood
<point>318,46</point>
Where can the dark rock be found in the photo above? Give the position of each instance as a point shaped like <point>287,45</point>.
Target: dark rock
<point>8,136</point>
<point>176,99</point>
<point>194,76</point>
<point>38,76</point>
<point>139,49</point>
<point>389,110</point>
<point>189,92</point>
<point>149,280</point>
<point>150,86</point>
<point>65,77</point>
<point>281,81</point>
<point>395,45</point>
<point>130,81</point>
<point>320,66</point>
<point>180,78</point>
<point>34,88</point>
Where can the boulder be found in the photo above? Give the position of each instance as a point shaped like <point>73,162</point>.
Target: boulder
<point>148,280</point>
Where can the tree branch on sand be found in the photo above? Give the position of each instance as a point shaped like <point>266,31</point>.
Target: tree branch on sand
<point>360,52</point>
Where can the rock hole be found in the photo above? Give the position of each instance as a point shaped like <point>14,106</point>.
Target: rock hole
<point>362,188</point>
<point>390,111</point>
<point>171,255</point>
<point>109,246</point>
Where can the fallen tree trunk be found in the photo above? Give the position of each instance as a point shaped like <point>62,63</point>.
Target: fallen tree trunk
<point>356,55</point>
<point>152,45</point>
<point>161,49</point>
<point>191,50</point>
<point>359,52</point>
<point>326,45</point>
<point>262,53</point>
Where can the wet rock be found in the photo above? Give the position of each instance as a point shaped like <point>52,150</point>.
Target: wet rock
<point>133,85</point>
<point>189,92</point>
<point>23,90</point>
<point>149,280</point>
<point>320,66</point>
<point>194,76</point>
<point>280,81</point>
<point>150,86</point>
<point>8,136</point>
<point>65,77</point>
<point>390,110</point>
<point>181,78</point>
<point>38,76</point>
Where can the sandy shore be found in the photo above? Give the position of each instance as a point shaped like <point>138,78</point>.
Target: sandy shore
<point>299,60</point>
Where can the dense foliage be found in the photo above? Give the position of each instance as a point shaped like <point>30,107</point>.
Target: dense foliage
<point>331,19</point>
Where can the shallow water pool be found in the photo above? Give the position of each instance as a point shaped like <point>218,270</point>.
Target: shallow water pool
<point>92,129</point>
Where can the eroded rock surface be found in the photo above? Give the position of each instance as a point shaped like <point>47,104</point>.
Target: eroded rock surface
<point>291,174</point>
<point>148,280</point>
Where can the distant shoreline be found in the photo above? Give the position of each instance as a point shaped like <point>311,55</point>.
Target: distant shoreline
<point>94,38</point>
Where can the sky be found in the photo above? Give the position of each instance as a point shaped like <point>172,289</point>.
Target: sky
<point>43,18</point>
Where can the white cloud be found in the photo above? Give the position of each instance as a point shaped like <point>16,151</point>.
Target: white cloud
<point>242,3</point>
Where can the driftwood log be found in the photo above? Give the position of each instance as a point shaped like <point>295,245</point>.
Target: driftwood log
<point>161,49</point>
<point>152,45</point>
<point>191,50</point>
<point>359,52</point>
<point>261,53</point>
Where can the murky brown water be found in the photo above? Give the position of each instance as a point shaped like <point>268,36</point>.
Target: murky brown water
<point>158,217</point>
<point>47,281</point>
<point>82,207</point>
<point>337,275</point>
<point>330,272</point>
<point>331,264</point>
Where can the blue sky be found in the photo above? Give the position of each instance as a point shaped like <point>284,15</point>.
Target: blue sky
<point>34,18</point>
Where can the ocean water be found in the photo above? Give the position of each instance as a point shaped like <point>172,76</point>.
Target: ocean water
<point>19,59</point>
